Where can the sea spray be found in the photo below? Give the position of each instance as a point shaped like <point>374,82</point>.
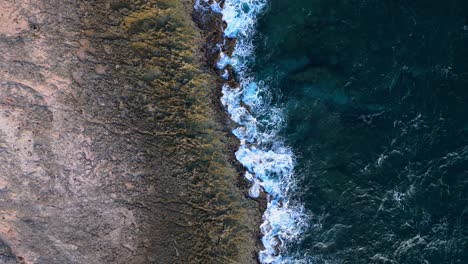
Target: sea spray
<point>269,163</point>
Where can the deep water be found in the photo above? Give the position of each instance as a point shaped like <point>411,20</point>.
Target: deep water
<point>374,95</point>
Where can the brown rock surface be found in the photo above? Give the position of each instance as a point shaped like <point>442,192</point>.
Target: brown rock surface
<point>110,148</point>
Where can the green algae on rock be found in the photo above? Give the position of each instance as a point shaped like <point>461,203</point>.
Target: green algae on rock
<point>163,34</point>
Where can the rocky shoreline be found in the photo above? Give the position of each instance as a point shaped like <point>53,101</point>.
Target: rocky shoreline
<point>114,147</point>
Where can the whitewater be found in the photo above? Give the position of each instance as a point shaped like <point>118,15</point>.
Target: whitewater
<point>268,161</point>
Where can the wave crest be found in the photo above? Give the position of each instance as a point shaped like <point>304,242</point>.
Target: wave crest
<point>269,163</point>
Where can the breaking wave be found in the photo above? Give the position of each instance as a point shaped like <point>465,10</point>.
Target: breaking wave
<point>268,161</point>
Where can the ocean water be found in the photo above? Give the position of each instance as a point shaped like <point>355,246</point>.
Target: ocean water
<point>353,118</point>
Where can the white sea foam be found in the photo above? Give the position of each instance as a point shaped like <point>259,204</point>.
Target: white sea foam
<point>269,163</point>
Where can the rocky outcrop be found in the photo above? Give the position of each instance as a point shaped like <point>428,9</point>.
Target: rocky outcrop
<point>111,150</point>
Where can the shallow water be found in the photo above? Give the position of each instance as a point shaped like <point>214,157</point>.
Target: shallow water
<point>356,126</point>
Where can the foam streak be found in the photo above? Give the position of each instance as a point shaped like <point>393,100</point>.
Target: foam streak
<point>269,163</point>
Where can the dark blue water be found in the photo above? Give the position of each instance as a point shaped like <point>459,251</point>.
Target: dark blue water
<point>375,94</point>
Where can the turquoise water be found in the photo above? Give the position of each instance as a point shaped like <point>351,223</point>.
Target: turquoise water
<point>353,119</point>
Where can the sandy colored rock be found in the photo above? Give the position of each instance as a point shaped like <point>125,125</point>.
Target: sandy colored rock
<point>101,165</point>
